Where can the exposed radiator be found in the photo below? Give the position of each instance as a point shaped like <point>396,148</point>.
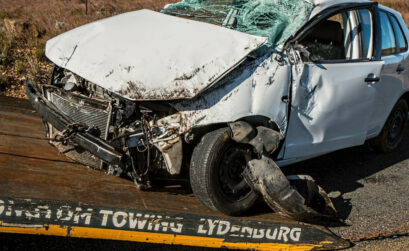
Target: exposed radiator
<point>84,111</point>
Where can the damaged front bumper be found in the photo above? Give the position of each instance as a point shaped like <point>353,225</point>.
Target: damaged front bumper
<point>93,144</point>
<point>294,197</point>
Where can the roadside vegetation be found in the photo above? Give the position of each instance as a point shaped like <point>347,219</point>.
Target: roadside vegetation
<point>400,5</point>
<point>24,29</point>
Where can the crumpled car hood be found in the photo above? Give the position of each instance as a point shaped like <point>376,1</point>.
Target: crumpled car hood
<point>146,55</point>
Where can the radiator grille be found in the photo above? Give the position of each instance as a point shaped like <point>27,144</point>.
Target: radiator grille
<point>83,112</point>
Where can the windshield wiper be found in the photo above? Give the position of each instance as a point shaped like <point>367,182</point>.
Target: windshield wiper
<point>174,13</point>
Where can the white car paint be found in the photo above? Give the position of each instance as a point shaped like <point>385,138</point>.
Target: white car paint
<point>321,5</point>
<point>255,88</point>
<point>330,109</point>
<point>155,56</point>
<point>350,111</point>
<point>388,91</point>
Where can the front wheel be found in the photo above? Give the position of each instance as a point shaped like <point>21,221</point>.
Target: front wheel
<point>216,173</point>
<point>393,130</point>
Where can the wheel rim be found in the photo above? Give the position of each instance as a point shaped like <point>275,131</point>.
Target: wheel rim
<point>231,181</point>
<point>396,125</point>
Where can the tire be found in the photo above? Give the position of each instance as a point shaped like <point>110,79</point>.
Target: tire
<point>394,129</point>
<point>217,162</point>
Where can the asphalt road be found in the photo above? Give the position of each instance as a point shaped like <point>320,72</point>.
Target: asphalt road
<point>370,191</point>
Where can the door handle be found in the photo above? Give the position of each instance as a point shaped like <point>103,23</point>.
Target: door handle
<point>400,69</point>
<point>372,78</point>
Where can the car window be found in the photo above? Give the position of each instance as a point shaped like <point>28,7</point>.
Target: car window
<point>326,40</point>
<point>276,20</point>
<point>365,17</point>
<point>402,44</point>
<point>388,37</point>
<point>347,35</point>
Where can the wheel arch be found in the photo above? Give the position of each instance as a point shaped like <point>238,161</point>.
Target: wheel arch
<point>405,96</point>
<point>255,120</point>
<point>199,131</point>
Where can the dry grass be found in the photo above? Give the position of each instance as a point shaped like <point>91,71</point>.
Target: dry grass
<point>22,56</point>
<point>400,5</point>
<point>45,13</point>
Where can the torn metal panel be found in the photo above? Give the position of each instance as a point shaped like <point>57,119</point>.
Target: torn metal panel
<point>254,88</point>
<point>267,178</point>
<point>263,139</point>
<point>171,122</point>
<point>169,143</point>
<point>145,55</point>
<point>173,154</point>
<point>301,199</point>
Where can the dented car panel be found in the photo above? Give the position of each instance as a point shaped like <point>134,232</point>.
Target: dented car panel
<point>327,105</point>
<point>322,118</point>
<point>160,56</point>
<point>256,88</point>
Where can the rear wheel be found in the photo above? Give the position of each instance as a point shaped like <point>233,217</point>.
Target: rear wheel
<point>216,173</point>
<point>393,130</point>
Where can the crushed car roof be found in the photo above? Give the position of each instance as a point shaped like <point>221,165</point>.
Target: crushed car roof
<point>323,4</point>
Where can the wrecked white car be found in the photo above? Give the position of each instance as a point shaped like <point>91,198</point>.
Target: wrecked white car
<point>229,91</point>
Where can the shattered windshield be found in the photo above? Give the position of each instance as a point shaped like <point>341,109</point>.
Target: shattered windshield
<point>275,19</point>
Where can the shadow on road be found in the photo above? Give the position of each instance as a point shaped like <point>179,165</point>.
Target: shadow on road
<point>338,173</point>
<point>347,170</point>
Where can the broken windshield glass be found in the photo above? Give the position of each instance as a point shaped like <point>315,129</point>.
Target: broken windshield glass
<point>275,19</point>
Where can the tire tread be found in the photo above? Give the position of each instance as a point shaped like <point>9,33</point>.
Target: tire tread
<point>204,154</point>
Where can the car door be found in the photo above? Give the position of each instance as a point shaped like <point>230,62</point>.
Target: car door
<point>333,91</point>
<point>389,89</point>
